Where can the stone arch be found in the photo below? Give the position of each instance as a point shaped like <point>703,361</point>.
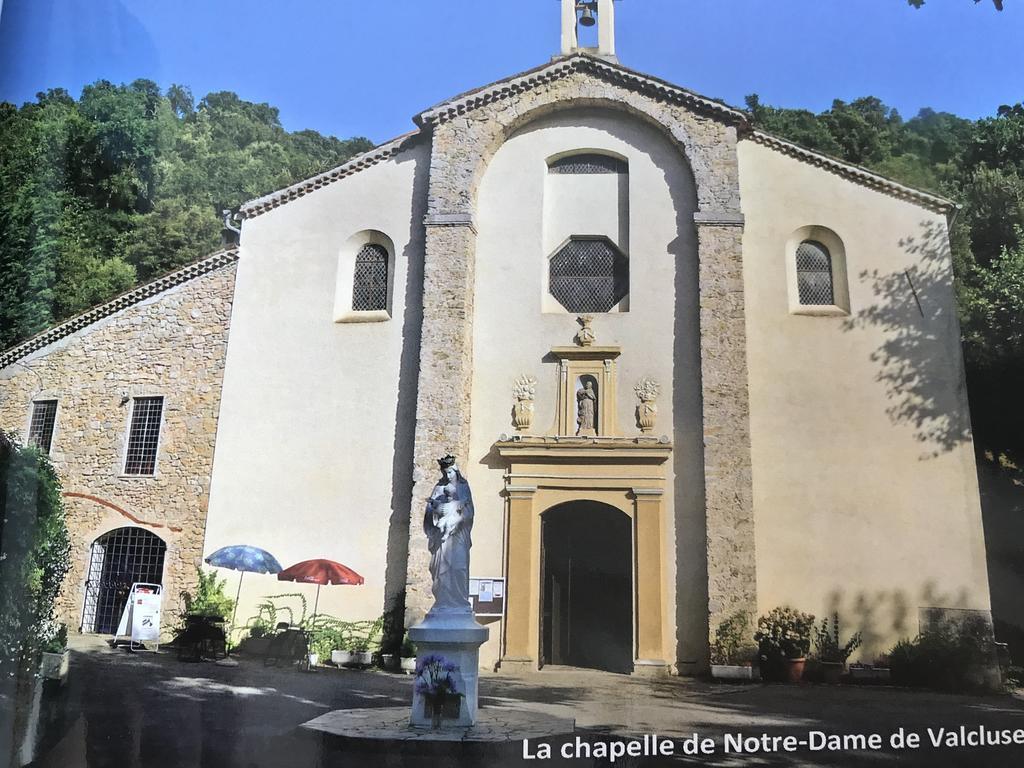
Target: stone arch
<point>465,134</point>
<point>117,558</point>
<point>708,145</point>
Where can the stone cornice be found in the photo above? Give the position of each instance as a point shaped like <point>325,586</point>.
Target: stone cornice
<point>368,159</point>
<point>855,174</point>
<point>124,301</point>
<point>566,66</point>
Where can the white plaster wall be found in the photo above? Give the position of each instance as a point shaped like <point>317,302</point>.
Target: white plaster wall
<point>865,490</point>
<point>306,443</point>
<point>512,334</point>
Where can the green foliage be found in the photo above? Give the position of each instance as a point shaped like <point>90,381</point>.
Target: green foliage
<point>950,657</point>
<point>408,649</point>
<point>274,609</point>
<point>826,642</point>
<point>58,642</point>
<point>785,633</point>
<point>127,183</point>
<point>209,598</point>
<point>733,641</point>
<point>34,554</point>
<point>327,633</point>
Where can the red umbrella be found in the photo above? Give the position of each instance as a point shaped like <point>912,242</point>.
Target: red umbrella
<point>320,572</point>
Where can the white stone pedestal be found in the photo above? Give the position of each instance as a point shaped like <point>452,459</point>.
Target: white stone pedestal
<point>457,637</point>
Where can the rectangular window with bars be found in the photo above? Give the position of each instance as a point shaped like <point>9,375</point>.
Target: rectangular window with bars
<point>40,430</point>
<point>144,436</point>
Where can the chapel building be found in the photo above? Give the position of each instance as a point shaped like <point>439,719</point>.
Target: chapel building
<point>688,368</point>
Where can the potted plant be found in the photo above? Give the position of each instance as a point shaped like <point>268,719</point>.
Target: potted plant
<point>732,652</point>
<point>56,656</point>
<point>435,683</point>
<point>830,654</point>
<point>341,655</point>
<point>783,640</point>
<point>361,655</point>
<point>408,654</point>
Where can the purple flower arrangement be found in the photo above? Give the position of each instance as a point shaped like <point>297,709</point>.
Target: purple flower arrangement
<point>435,677</point>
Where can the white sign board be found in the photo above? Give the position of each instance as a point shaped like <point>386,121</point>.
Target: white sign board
<point>141,616</point>
<point>146,617</point>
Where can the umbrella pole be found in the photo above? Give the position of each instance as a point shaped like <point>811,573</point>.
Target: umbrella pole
<point>316,604</point>
<point>234,612</point>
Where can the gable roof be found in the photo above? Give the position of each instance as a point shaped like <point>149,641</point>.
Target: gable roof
<point>855,173</point>
<point>199,268</point>
<point>566,66</point>
<point>562,67</point>
<point>360,162</point>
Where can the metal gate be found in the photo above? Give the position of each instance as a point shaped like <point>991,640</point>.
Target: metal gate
<point>117,560</point>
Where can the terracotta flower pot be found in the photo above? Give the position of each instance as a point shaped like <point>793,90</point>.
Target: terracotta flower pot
<point>795,669</point>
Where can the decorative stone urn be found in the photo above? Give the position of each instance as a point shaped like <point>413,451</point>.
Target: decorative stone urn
<point>524,389</point>
<point>647,392</point>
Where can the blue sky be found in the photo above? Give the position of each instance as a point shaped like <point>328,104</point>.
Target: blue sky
<point>364,67</point>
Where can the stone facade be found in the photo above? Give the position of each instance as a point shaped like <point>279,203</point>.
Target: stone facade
<point>171,344</point>
<point>466,132</point>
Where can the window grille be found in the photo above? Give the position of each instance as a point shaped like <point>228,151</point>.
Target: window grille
<point>589,276</point>
<point>144,436</point>
<point>370,281</point>
<point>588,164</point>
<point>40,430</point>
<point>118,560</point>
<point>814,273</point>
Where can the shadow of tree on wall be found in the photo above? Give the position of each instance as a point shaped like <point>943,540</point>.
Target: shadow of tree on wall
<point>882,614</point>
<point>918,361</point>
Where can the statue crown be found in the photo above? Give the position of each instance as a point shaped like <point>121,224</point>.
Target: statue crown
<point>446,461</point>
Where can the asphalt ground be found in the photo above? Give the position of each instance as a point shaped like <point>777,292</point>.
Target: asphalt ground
<point>144,710</point>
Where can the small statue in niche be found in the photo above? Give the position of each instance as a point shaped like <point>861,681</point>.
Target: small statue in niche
<point>586,408</point>
<point>585,337</point>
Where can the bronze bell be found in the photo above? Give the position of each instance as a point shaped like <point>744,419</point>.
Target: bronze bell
<point>587,19</point>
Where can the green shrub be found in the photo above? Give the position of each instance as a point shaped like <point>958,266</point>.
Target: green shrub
<point>733,643</point>
<point>826,642</point>
<point>209,598</point>
<point>785,633</point>
<point>950,657</point>
<point>58,641</point>
<point>408,647</point>
<point>35,554</point>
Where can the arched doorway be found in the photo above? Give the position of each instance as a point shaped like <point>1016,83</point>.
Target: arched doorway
<point>117,560</point>
<point>587,587</point>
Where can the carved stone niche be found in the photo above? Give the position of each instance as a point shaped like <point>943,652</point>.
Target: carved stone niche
<point>582,371</point>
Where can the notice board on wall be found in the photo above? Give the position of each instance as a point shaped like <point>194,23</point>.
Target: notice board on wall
<point>487,595</point>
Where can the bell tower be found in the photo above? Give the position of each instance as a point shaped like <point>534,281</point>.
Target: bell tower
<point>588,13</point>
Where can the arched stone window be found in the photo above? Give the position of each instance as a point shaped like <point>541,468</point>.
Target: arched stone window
<point>816,270</point>
<point>366,279</point>
<point>587,163</point>
<point>588,275</point>
<point>117,560</point>
<point>814,274</point>
<point>370,279</point>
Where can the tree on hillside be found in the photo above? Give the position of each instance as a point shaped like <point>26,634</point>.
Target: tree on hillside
<point>126,183</point>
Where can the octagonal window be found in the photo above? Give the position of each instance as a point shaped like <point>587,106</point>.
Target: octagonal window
<point>589,275</point>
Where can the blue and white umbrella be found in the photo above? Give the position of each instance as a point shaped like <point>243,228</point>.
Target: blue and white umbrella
<point>246,559</point>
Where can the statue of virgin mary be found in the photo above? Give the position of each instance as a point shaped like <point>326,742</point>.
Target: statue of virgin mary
<point>448,522</point>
